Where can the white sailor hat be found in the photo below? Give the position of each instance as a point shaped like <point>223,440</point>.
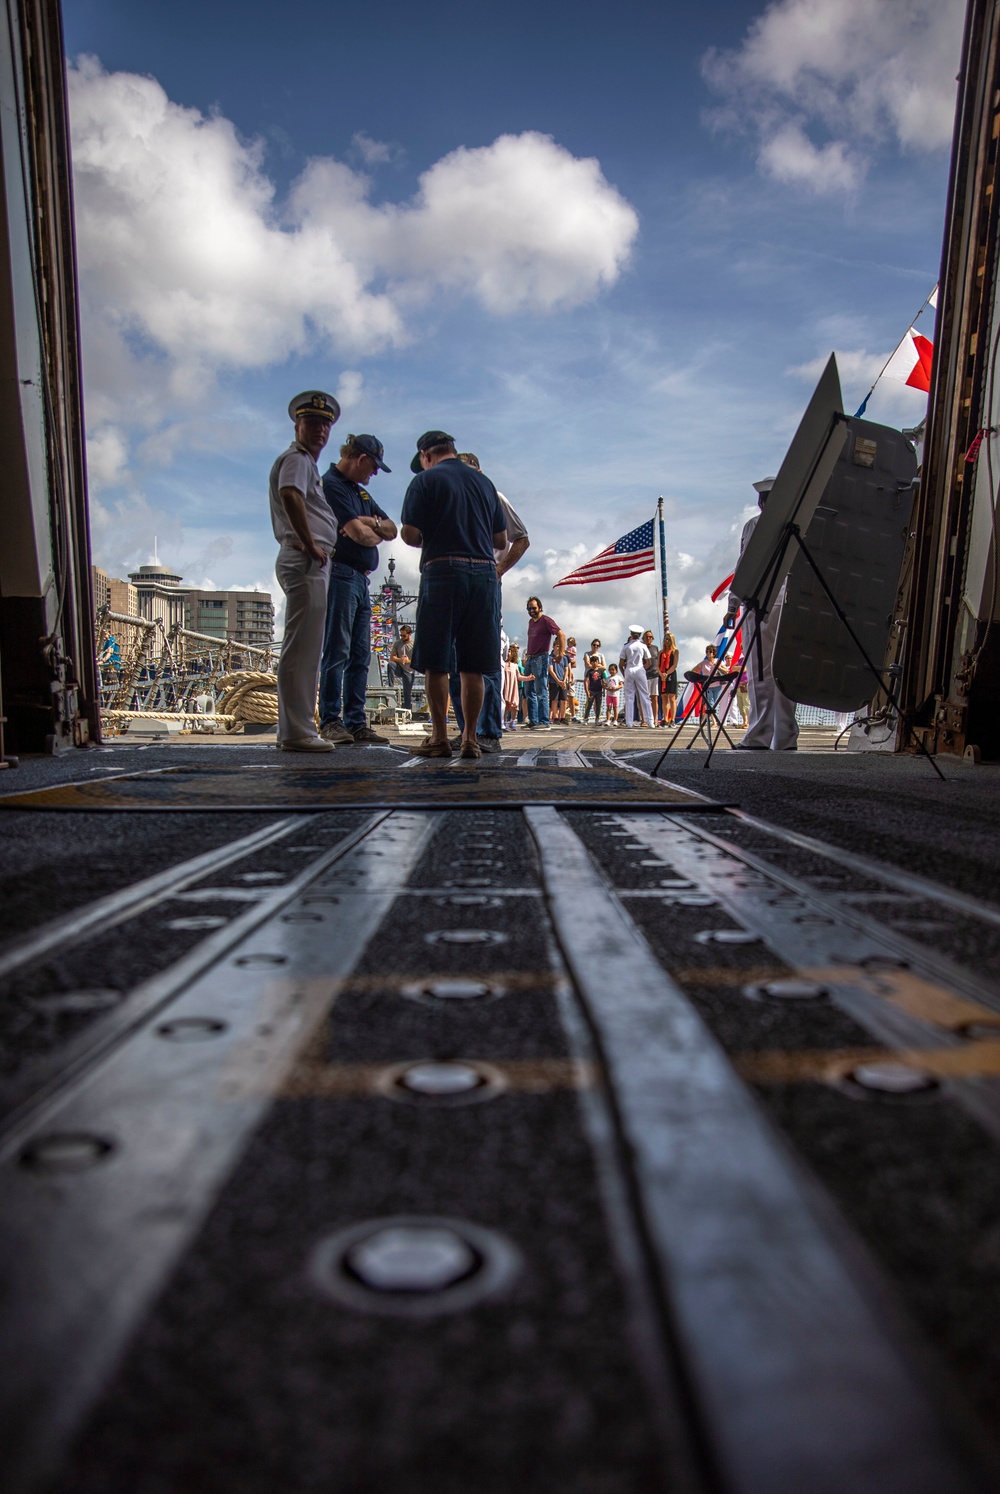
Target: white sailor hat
<point>314,402</point>
<point>636,628</point>
<point>765,485</point>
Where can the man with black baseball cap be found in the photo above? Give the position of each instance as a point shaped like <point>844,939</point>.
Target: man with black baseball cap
<point>361,528</point>
<point>452,514</point>
<point>306,530</point>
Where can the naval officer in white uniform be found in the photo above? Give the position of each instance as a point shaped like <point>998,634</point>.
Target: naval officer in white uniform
<point>634,658</point>
<point>772,715</point>
<point>306,530</point>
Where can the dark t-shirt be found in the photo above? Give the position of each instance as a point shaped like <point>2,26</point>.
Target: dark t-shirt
<point>595,681</point>
<point>456,510</point>
<point>349,500</point>
<point>540,630</point>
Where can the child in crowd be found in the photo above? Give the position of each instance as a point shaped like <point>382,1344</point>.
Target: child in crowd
<point>612,689</point>
<point>558,668</point>
<point>511,687</point>
<point>593,688</point>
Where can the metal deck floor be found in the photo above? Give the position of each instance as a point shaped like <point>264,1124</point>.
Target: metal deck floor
<point>509,1147</point>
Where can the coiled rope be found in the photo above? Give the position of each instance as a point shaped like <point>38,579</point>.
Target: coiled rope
<point>248,695</point>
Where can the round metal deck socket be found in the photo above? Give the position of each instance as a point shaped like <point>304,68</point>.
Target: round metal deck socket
<point>92,999</point>
<point>726,936</point>
<point>676,884</point>
<point>450,988</point>
<point>325,898</point>
<point>468,900</point>
<point>414,1266</point>
<point>197,921</point>
<point>694,900</point>
<point>261,877</point>
<point>981,1032</point>
<point>891,1078</point>
<point>301,850</point>
<point>252,961</point>
<point>442,1082</point>
<point>788,988</point>
<point>465,936</point>
<point>301,917</point>
<point>191,1029</point>
<point>66,1151</point>
<point>468,882</point>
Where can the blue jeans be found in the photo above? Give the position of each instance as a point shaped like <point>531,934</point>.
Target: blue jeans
<point>490,717</point>
<point>536,691</point>
<point>346,648</point>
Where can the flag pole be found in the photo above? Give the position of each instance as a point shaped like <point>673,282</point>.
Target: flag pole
<point>663,565</point>
<point>859,413</point>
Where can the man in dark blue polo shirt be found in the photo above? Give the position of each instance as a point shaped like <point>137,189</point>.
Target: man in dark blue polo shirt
<point>452,514</point>
<point>361,528</point>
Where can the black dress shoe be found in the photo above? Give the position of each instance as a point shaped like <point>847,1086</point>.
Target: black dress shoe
<point>749,747</point>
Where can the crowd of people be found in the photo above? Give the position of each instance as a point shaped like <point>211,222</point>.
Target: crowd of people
<point>329,529</point>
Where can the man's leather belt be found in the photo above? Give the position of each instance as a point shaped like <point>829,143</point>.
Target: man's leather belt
<point>469,559</point>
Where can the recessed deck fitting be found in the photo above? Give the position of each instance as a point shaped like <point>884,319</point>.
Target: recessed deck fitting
<point>465,936</point>
<point>441,1081</point>
<point>66,1151</point>
<point>197,921</point>
<point>726,936</point>
<point>191,1029</point>
<point>449,988</point>
<point>891,1078</point>
<point>414,1266</point>
<point>787,988</point>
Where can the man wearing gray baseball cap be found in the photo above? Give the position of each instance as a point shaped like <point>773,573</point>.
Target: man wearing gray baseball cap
<point>306,531</point>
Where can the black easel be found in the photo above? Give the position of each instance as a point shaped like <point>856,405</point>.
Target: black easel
<point>872,668</point>
<point>789,532</point>
<point>757,608</point>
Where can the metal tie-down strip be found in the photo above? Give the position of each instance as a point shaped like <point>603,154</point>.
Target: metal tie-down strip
<point>128,902</point>
<point>22,1099</point>
<point>794,1360</point>
<point>828,941</point>
<point>87,1249</point>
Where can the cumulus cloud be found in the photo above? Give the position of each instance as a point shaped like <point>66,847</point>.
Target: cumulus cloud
<point>181,231</point>
<point>191,266</point>
<point>823,84</point>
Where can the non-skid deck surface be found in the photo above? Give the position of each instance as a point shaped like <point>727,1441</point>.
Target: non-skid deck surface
<point>318,784</point>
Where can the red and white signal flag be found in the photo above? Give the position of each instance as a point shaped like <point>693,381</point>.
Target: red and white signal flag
<point>911,362</point>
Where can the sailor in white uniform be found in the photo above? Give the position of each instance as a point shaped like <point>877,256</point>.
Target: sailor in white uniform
<point>634,658</point>
<point>772,714</point>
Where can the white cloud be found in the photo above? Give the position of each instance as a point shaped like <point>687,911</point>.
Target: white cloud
<point>349,389</point>
<point>791,157</point>
<point>375,152</point>
<point>192,269</point>
<point>855,73</point>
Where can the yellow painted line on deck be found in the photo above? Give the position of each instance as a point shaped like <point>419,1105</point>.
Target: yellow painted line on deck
<point>974,1060</point>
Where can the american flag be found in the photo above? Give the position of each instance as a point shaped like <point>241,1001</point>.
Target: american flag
<point>629,556</point>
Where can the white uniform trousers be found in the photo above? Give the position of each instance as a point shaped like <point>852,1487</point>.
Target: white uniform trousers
<point>772,715</point>
<point>636,683</point>
<point>305,586</point>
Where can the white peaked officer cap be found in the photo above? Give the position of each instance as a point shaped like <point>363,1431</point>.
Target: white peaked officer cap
<point>765,485</point>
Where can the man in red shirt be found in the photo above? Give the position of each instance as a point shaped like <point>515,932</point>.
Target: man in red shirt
<point>541,630</point>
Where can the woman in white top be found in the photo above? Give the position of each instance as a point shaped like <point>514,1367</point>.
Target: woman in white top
<point>634,658</point>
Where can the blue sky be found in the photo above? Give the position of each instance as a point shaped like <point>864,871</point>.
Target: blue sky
<point>607,247</point>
